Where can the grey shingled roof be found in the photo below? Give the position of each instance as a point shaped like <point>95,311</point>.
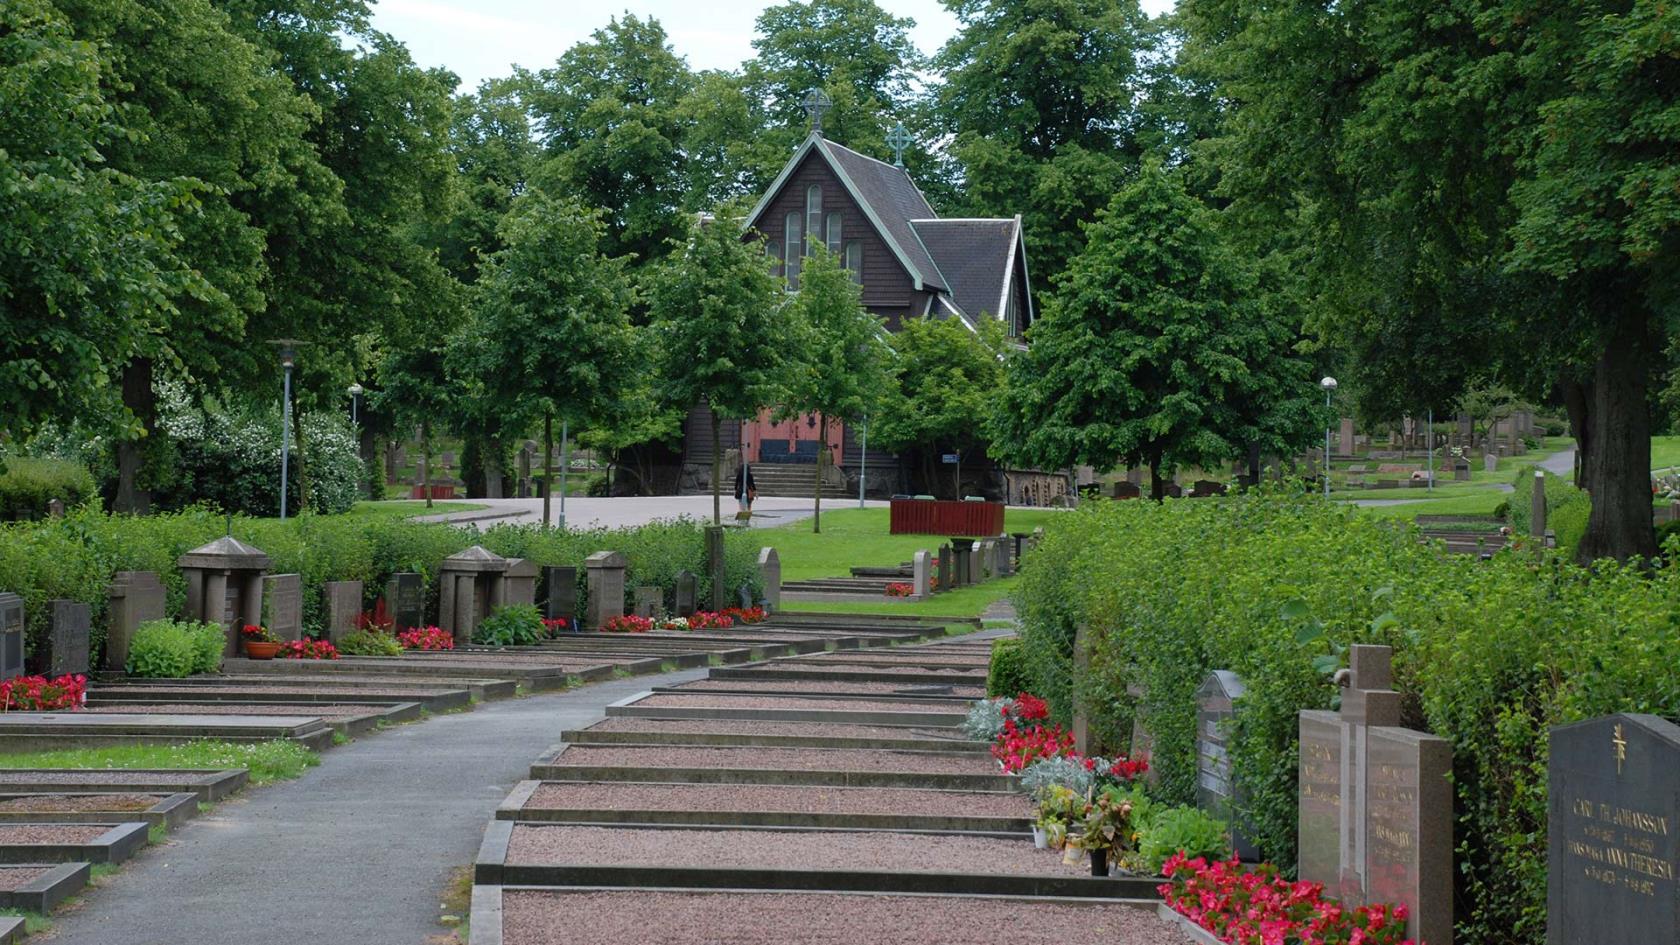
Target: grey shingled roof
<point>974,256</point>
<point>889,192</point>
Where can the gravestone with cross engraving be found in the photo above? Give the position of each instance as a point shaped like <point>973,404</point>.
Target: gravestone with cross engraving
<point>1375,803</point>
<point>1613,832</point>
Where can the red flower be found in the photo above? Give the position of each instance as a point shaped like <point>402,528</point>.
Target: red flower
<point>426,638</point>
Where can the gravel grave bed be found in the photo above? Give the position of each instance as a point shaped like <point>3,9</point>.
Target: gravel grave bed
<point>103,776</point>
<point>697,701</point>
<point>742,727</point>
<point>13,877</point>
<point>567,795</point>
<point>873,851</point>
<point>190,692</point>
<point>878,669</point>
<point>777,759</point>
<point>77,803</point>
<point>294,710</point>
<point>557,917</point>
<point>823,685</point>
<point>50,833</point>
<point>900,656</point>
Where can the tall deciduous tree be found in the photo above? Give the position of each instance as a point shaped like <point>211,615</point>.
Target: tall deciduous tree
<point>949,375</point>
<point>1151,352</point>
<point>844,368</point>
<point>552,311</point>
<point>719,328</point>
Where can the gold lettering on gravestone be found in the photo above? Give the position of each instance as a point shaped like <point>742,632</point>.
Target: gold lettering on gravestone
<point>1616,845</point>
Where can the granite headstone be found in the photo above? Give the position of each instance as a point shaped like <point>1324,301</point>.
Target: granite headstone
<point>560,586</point>
<point>71,621</point>
<point>283,605</point>
<point>404,599</point>
<point>921,574</point>
<point>650,601</point>
<point>343,600</point>
<point>11,635</point>
<point>687,594</point>
<point>606,587</point>
<point>770,574</point>
<point>135,597</point>
<point>1216,788</point>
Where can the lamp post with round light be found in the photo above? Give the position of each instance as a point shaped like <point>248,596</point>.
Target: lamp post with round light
<point>1329,385</point>
<point>288,359</point>
<point>355,392</point>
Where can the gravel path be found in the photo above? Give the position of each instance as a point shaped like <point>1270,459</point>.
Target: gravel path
<point>50,833</point>
<point>795,850</point>
<point>810,729</point>
<point>763,797</point>
<point>11,877</point>
<point>841,688</point>
<point>358,850</point>
<point>542,917</point>
<point>76,803</point>
<point>794,702</point>
<point>81,776</point>
<point>779,759</point>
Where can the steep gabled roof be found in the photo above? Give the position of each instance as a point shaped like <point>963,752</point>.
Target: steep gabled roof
<point>889,199</point>
<point>978,257</point>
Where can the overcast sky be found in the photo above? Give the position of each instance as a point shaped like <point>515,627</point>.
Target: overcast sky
<point>484,39</point>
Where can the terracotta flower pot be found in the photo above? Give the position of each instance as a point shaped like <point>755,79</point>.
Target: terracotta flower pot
<point>261,651</point>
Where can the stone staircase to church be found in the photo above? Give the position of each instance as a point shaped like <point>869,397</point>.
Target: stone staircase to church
<point>791,481</point>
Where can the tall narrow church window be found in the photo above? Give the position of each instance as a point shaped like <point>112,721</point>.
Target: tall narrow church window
<point>854,261</point>
<point>834,233</point>
<point>813,214</point>
<point>795,235</point>
<point>775,254</point>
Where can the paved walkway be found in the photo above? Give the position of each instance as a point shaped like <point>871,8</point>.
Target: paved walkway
<point>358,851</point>
<point>630,511</point>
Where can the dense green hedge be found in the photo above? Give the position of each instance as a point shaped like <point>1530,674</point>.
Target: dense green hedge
<point>74,557</point>
<point>28,483</point>
<point>1491,655</point>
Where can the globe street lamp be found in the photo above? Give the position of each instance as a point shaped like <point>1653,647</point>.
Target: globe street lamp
<point>1329,385</point>
<point>355,392</point>
<point>288,359</point>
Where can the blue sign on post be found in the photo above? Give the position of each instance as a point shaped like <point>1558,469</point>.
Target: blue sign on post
<point>949,459</point>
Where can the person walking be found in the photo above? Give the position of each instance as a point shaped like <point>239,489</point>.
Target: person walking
<point>746,490</point>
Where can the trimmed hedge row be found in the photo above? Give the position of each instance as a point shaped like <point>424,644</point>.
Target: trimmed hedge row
<point>1489,654</point>
<point>28,483</point>
<point>74,557</point>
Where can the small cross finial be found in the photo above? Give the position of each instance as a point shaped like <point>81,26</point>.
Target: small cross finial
<point>817,102</point>
<point>899,139</point>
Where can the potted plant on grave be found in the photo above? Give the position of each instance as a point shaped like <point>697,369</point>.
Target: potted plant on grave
<point>1108,829</point>
<point>260,644</point>
<point>1057,806</point>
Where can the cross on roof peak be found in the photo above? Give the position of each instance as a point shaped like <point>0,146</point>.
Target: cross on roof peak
<point>817,102</point>
<point>899,139</point>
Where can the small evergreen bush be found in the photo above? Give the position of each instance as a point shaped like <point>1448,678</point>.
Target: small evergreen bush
<point>1007,673</point>
<point>175,649</point>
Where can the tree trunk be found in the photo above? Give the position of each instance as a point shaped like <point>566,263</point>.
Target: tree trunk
<point>138,397</point>
<point>1612,421</point>
<point>822,454</point>
<point>1157,485</point>
<point>717,467</point>
<point>426,461</point>
<point>490,459</point>
<point>548,465</point>
<point>297,439</point>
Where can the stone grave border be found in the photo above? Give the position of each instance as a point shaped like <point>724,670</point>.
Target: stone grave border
<point>115,845</point>
<point>545,769</point>
<point>482,689</point>
<point>584,737</point>
<point>221,783</point>
<point>174,810</point>
<point>794,675</point>
<point>443,700</point>
<point>41,894</point>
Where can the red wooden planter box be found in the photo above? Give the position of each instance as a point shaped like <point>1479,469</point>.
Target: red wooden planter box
<point>934,517</point>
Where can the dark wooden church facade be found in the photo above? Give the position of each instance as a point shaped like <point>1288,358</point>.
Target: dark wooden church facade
<point>910,262</point>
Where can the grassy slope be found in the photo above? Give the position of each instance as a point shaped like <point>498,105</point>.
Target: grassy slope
<point>266,761</point>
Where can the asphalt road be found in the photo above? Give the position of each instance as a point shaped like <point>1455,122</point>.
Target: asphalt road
<point>358,851</point>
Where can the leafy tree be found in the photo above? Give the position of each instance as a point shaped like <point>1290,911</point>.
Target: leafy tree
<point>844,365</point>
<point>948,376</point>
<point>552,312</point>
<point>414,391</point>
<point>91,271</point>
<point>1151,353</point>
<point>608,116</point>
<point>490,140</point>
<point>717,317</point>
<point>1041,96</point>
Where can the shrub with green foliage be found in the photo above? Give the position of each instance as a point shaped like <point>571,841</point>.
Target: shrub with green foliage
<point>514,625</point>
<point>175,649</point>
<point>1489,656</point>
<point>1170,830</point>
<point>1567,508</point>
<point>368,643</point>
<point>1007,674</point>
<point>28,483</point>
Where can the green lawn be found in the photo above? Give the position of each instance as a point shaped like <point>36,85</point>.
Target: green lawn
<point>1665,452</point>
<point>406,507</point>
<point>1482,503</point>
<point>266,761</point>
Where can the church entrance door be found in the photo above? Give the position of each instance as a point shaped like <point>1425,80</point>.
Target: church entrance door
<point>788,441</point>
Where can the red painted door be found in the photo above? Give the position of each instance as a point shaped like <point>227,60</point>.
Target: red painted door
<point>791,440</point>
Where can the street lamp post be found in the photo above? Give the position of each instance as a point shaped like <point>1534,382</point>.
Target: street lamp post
<point>863,464</point>
<point>1329,385</point>
<point>355,392</point>
<point>288,358</point>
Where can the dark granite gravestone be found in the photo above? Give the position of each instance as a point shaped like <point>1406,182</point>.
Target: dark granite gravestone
<point>11,636</point>
<point>404,600</point>
<point>71,620</point>
<point>1216,789</point>
<point>1613,834</point>
<point>135,597</point>
<point>1375,803</point>
<point>714,566</point>
<point>687,594</point>
<point>559,593</point>
<point>343,600</point>
<point>650,601</point>
<point>283,605</point>
<point>961,549</point>
<point>1127,490</point>
<point>946,567</point>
